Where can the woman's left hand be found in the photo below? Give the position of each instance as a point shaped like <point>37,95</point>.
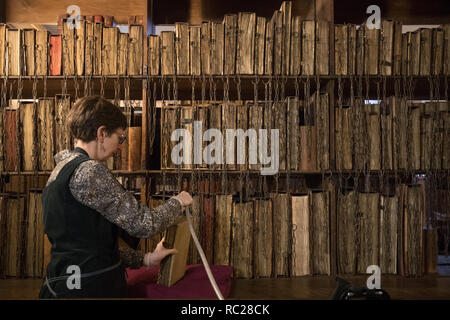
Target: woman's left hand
<point>154,258</point>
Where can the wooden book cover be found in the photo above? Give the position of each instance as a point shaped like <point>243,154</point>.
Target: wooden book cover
<point>386,137</point>
<point>62,134</point>
<point>154,55</point>
<point>320,233</point>
<point>278,44</point>
<point>98,48</point>
<point>206,47</point>
<point>368,222</point>
<point>80,48</point>
<point>194,50</point>
<point>207,227</point>
<point>168,53</point>
<point>282,233</point>
<point>182,48</point>
<point>438,128</point>
<point>55,55</point>
<point>360,145</point>
<point>173,267</point>
<point>413,135</point>
<point>371,50</point>
<point>322,48</point>
<point>352,40</point>
<point>15,208</point>
<point>229,121</point>
<point>109,50</point>
<point>344,138</point>
<point>123,61</point>
<point>413,242</point>
<point>388,234</point>
<point>286,10</point>
<point>41,52</point>
<point>341,42</point>
<point>406,52</point>
<point>135,49</point>
<point>14,56</point>
<point>89,49</point>
<point>68,50</point>
<point>196,212</point>
<point>46,133</point>
<point>217,48</point>
<point>347,232</point>
<point>308,138</point>
<point>293,152</point>
<point>322,123</point>
<point>414,53</point>
<point>446,142</point>
<point>245,62</point>
<point>446,28</point>
<point>308,47</point>
<point>29,42</point>
<point>255,122</point>
<point>34,252</point>
<point>11,149</point>
<point>397,52</point>
<point>222,229</point>
<point>427,136</point>
<point>243,143</point>
<point>168,125</point>
<point>425,52</point>
<point>28,138</point>
<point>387,47</point>
<point>269,52</point>
<point>134,148</point>
<point>215,122</point>
<point>263,253</point>
<point>399,112</point>
<point>360,48</point>
<point>301,254</point>
<point>242,246</point>
<point>430,239</point>
<point>202,115</point>
<point>260,37</point>
<point>296,46</point>
<point>3,49</point>
<point>374,135</point>
<point>280,122</point>
<point>230,43</point>
<point>437,52</point>
<point>187,123</point>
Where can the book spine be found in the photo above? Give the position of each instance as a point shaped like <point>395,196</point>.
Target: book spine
<point>217,48</point>
<point>296,45</point>
<point>263,250</point>
<point>182,48</point>
<point>206,47</point>
<point>62,108</point>
<point>286,10</point>
<point>246,43</point>
<point>437,52</point>
<point>14,56</point>
<point>46,132</point>
<point>293,133</point>
<point>269,52</point>
<point>282,232</point>
<point>279,116</point>
<point>368,209</point>
<point>387,46</point>
<point>308,47</point>
<point>347,232</point>
<point>168,53</point>
<point>98,45</point>
<point>397,66</point>
<point>55,55</point>
<point>371,51</point>
<point>68,49</point>
<point>27,125</point>
<point>80,48</point>
<point>278,43</point>
<point>109,50</point>
<point>425,52</point>
<point>42,41</point>
<point>229,120</point>
<point>323,132</point>
<point>242,240</point>
<point>195,50</point>
<point>301,254</point>
<point>222,229</point>
<point>373,130</point>
<point>154,55</point>
<point>230,45</point>
<point>135,49</point>
<point>260,36</point>
<point>320,234</point>
<point>123,54</point>
<point>3,49</point>
<point>341,52</point>
<point>29,41</point>
<point>322,48</point>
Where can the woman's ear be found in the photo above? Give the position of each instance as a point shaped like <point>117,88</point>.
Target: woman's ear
<point>101,133</point>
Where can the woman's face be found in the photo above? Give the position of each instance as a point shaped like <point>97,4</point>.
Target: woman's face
<point>111,144</point>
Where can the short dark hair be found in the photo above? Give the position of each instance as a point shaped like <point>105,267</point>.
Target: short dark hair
<point>90,113</point>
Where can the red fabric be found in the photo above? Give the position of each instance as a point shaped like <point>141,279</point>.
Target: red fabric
<point>141,283</point>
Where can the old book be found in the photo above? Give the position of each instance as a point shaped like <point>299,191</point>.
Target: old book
<point>414,53</point>
<point>202,113</point>
<point>322,122</point>
<point>352,40</point>
<point>2,133</point>
<point>29,42</point>
<point>406,54</point>
<point>446,28</point>
<point>46,133</point>
<point>269,52</point>
<point>34,251</point>
<point>368,232</point>
<point>387,47</point>
<point>246,43</point>
<point>320,233</point>
<point>230,43</point>
<point>109,50</point>
<point>215,158</point>
<point>371,51</point>
<point>135,49</point>
<point>437,52</point>
<point>89,48</point>
<point>279,122</point>
<point>63,138</point>
<point>282,232</point>
<point>154,55</point>
<point>438,128</point>
<point>243,144</point>
<point>28,138</point>
<point>182,48</point>
<point>260,37</point>
<point>360,145</point>
<point>347,231</point>
<point>263,250</point>
<point>242,240</point>
<point>341,43</point>
<point>397,52</point>
<point>386,136</point>
<point>322,48</point>
<point>41,52</point>
<point>229,120</point>
<point>308,47</point>
<point>11,150</point>
<point>426,134</point>
<point>80,48</point>
<point>3,217</point>
<point>68,50</point>
<point>173,267</point>
<point>207,227</point>
<point>399,112</point>
<point>122,59</point>
<point>255,121</point>
<point>98,48</point>
<point>3,52</point>
<point>430,244</point>
<point>293,125</point>
<point>15,208</point>
<point>413,241</point>
<point>446,142</point>
<point>296,46</point>
<point>301,254</point>
<point>278,44</point>
<point>168,125</point>
<point>187,123</point>
<point>360,50</point>
<point>14,56</point>
<point>55,55</point>
<point>206,47</point>
<point>425,52</point>
<point>344,138</point>
<point>217,48</point>
<point>194,50</point>
<point>307,136</point>
<point>222,229</point>
<point>286,10</point>
<point>413,135</point>
<point>374,135</point>
<point>134,148</point>
<point>388,234</point>
<point>197,203</point>
<point>168,53</point>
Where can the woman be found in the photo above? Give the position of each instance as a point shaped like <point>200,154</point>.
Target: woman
<point>84,207</point>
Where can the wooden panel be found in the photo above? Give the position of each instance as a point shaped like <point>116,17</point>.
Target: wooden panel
<point>368,219</point>
<point>207,227</point>
<point>134,149</point>
<point>446,28</point>
<point>346,232</point>
<point>135,49</point>
<point>301,254</point>
<point>242,240</point>
<point>263,238</point>
<point>246,43</point>
<point>230,28</point>
<point>222,230</point>
<point>194,47</point>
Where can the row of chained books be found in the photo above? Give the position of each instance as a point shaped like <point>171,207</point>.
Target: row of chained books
<point>242,44</point>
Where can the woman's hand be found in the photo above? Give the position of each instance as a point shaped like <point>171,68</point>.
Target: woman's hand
<point>184,198</point>
<point>154,258</point>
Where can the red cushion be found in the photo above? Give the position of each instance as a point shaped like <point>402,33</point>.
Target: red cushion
<point>141,283</point>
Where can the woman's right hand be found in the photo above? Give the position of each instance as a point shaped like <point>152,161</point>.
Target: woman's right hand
<point>184,198</point>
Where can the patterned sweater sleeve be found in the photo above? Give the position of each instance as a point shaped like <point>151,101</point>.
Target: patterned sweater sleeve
<point>133,259</point>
